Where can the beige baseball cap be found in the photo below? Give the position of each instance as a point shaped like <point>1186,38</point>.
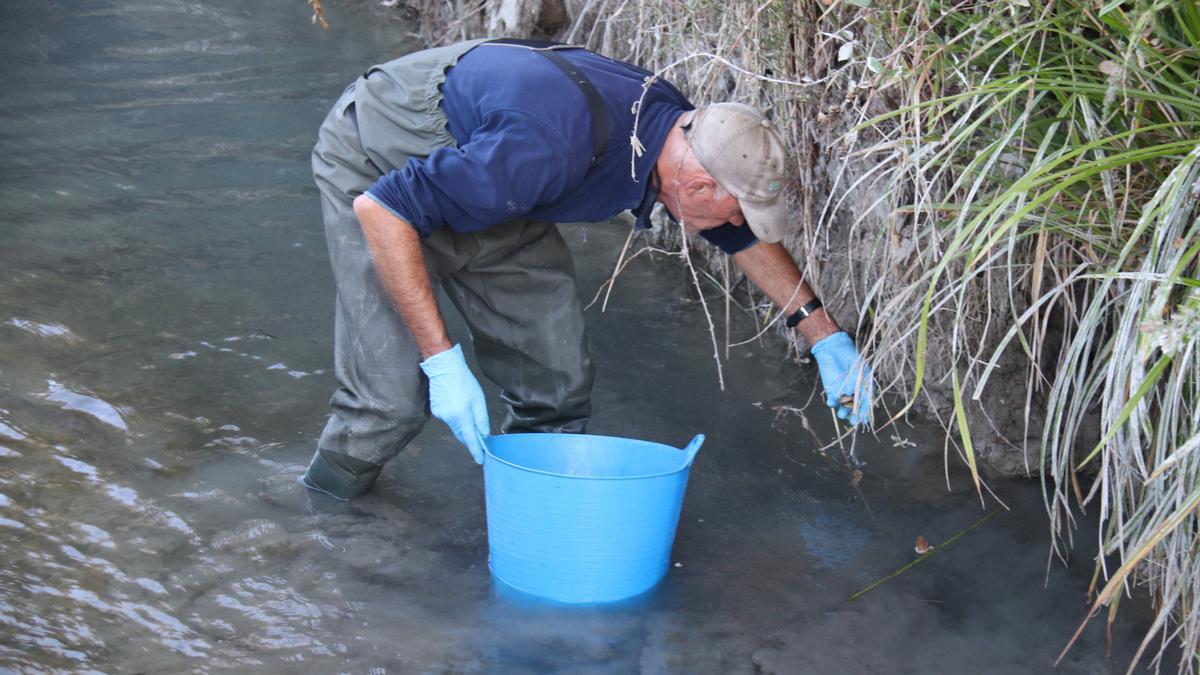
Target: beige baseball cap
<point>743,152</point>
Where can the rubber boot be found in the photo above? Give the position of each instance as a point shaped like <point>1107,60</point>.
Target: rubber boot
<point>340,476</point>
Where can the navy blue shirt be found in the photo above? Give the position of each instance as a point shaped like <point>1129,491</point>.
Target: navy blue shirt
<point>525,145</point>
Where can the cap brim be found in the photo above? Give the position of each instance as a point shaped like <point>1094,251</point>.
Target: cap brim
<point>768,220</point>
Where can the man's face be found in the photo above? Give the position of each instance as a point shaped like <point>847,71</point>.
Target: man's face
<point>704,205</point>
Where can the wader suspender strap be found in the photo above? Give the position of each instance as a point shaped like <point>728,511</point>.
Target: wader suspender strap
<point>595,103</point>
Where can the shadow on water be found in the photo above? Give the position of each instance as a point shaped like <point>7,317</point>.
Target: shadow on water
<point>164,353</point>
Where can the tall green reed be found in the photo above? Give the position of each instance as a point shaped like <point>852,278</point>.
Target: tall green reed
<point>1064,157</point>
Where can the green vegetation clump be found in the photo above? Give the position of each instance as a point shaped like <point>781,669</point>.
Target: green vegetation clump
<point>1059,153</point>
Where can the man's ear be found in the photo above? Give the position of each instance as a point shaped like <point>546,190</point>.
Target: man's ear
<point>698,185</point>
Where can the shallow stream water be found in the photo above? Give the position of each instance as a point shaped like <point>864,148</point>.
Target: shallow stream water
<point>165,347</point>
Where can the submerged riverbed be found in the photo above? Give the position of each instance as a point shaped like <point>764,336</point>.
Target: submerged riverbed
<point>165,348</point>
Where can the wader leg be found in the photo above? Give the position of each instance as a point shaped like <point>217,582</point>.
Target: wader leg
<point>518,295</point>
<point>382,400</point>
<point>380,404</point>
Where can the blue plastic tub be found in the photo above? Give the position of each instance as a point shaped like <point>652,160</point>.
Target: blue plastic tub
<point>582,519</point>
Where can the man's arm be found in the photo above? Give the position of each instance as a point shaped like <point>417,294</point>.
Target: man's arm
<point>396,248</point>
<point>455,396</point>
<point>845,376</point>
<point>773,270</point>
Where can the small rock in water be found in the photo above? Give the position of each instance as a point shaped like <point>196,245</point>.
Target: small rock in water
<point>253,537</point>
<point>282,487</point>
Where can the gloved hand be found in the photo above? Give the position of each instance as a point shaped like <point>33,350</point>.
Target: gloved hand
<point>844,373</point>
<point>456,398</point>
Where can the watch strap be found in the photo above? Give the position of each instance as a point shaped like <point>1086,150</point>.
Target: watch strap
<point>803,313</point>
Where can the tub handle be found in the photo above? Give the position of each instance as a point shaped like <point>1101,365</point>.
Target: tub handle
<point>691,450</point>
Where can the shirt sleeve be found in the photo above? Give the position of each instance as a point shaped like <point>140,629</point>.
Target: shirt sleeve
<point>730,238</point>
<point>510,165</point>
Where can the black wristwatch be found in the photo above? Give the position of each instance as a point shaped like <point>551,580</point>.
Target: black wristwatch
<point>803,313</point>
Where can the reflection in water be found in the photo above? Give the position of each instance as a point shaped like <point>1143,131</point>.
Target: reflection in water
<point>164,353</point>
<point>70,400</point>
<point>43,329</point>
<point>10,432</point>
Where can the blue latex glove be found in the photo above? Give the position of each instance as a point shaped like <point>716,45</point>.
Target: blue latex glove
<point>844,372</point>
<point>456,398</point>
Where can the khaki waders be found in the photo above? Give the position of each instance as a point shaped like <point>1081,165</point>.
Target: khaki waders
<point>513,284</point>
